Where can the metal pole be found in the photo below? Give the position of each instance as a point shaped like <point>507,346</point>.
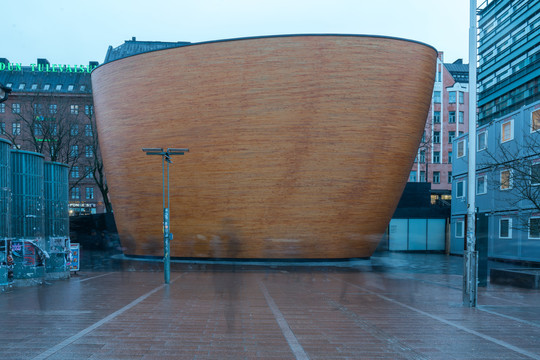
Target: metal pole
<point>165,157</point>
<point>166,230</point>
<point>470,275</point>
<point>166,249</point>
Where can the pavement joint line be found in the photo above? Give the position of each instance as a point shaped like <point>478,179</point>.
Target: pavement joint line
<point>391,341</point>
<point>402,277</point>
<point>295,346</point>
<point>95,277</point>
<point>80,334</point>
<point>483,308</point>
<point>450,323</point>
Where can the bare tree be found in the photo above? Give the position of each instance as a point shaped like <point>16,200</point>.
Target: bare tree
<point>47,124</point>
<point>52,125</point>
<point>424,154</point>
<point>517,168</point>
<point>95,162</point>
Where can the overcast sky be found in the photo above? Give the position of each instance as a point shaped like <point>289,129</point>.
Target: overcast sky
<point>75,31</point>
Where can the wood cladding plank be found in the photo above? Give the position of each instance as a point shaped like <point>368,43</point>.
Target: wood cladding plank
<point>299,146</point>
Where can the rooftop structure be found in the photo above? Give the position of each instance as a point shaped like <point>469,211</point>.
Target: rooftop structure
<point>134,47</point>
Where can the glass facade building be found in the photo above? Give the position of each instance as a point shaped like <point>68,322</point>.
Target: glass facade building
<point>508,56</point>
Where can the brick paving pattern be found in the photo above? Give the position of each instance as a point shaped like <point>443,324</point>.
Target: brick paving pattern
<point>405,306</point>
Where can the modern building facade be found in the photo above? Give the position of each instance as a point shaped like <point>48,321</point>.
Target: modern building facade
<point>284,135</point>
<point>508,149</point>
<point>507,186</point>
<point>50,111</point>
<point>447,119</point>
<point>508,57</point>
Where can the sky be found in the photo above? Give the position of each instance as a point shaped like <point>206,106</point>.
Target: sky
<point>74,32</point>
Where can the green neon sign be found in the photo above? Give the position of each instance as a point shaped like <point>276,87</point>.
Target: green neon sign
<point>46,68</point>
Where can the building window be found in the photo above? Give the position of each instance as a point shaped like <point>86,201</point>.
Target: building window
<point>460,189</point>
<point>88,130</point>
<point>534,227</point>
<point>53,109</point>
<point>34,86</point>
<point>449,157</point>
<point>481,184</point>
<point>16,108</point>
<point>461,97</point>
<point>460,148</point>
<point>38,109</point>
<point>451,136</point>
<point>38,130</point>
<point>481,141</point>
<point>82,88</point>
<point>535,173</point>
<point>422,156</point>
<point>436,157</point>
<point>449,177</point>
<point>451,117</point>
<point>507,130</point>
<point>506,179</point>
<point>89,110</point>
<point>436,137</point>
<point>422,176</point>
<point>412,176</point>
<point>437,96</point>
<point>461,119</point>
<point>21,86</point>
<point>452,97</point>
<point>89,193</point>
<point>46,86</point>
<point>460,229</point>
<point>74,130</point>
<point>89,173</point>
<point>88,151</point>
<point>436,117</point>
<point>70,87</point>
<point>75,109</point>
<point>59,87</point>
<point>16,128</point>
<point>505,228</point>
<point>2,128</point>
<point>75,172</point>
<point>2,108</point>
<point>74,153</point>
<point>535,120</point>
<point>436,177</point>
<point>75,193</point>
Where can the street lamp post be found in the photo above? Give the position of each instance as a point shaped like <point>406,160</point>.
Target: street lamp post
<point>167,236</point>
<point>470,275</point>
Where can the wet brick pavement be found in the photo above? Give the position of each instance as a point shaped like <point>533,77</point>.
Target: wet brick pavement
<point>394,306</point>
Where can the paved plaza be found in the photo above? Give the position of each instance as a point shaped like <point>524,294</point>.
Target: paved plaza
<point>393,306</point>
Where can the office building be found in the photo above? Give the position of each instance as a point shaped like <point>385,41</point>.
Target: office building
<point>508,57</point>
<point>50,111</point>
<point>447,119</point>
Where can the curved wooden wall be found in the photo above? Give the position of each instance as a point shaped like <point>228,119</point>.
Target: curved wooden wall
<point>300,146</point>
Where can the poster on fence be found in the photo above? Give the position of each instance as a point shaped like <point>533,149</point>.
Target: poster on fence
<point>75,257</point>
